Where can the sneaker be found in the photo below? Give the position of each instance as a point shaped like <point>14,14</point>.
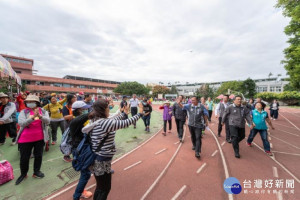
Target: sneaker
<point>219,135</point>
<point>197,155</point>
<point>237,155</point>
<point>13,143</point>
<point>228,140</point>
<point>269,153</point>
<point>86,194</point>
<point>134,127</point>
<point>193,148</point>
<point>38,174</point>
<point>180,140</point>
<point>112,171</point>
<point>53,143</point>
<point>148,130</point>
<point>249,144</point>
<point>13,140</point>
<point>20,179</point>
<point>47,146</point>
<point>67,159</point>
<point>164,133</point>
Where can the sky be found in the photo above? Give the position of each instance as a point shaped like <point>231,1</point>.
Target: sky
<point>148,41</point>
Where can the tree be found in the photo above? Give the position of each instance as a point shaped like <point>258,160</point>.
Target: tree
<point>130,88</point>
<point>173,90</point>
<point>205,91</point>
<point>248,88</point>
<point>160,89</point>
<point>232,85</point>
<point>291,62</point>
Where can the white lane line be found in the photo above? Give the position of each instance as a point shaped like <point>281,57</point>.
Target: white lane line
<point>285,142</point>
<point>290,122</point>
<point>164,170</point>
<point>160,151</point>
<point>223,143</point>
<point>271,145</point>
<point>201,168</point>
<point>179,192</point>
<point>283,125</point>
<point>176,142</point>
<point>132,165</point>
<point>288,132</point>
<point>275,172</point>
<point>230,196</point>
<point>293,154</point>
<point>214,153</point>
<point>283,167</point>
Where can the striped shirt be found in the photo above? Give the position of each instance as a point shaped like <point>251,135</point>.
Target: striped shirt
<point>102,127</point>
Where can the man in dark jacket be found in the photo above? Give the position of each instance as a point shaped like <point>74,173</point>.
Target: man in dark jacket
<point>147,113</point>
<point>180,116</point>
<point>236,114</point>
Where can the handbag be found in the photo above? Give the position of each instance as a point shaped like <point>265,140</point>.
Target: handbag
<point>6,172</point>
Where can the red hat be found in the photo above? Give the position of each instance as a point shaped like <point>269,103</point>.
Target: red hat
<point>81,93</point>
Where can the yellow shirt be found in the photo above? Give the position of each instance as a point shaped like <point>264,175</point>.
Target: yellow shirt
<point>55,110</point>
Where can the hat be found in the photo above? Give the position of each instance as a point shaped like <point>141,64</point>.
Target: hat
<point>3,95</point>
<point>32,97</point>
<point>44,92</point>
<point>80,104</point>
<point>81,93</point>
<point>53,94</point>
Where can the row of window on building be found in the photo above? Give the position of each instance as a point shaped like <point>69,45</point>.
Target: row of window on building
<point>19,61</point>
<point>272,89</point>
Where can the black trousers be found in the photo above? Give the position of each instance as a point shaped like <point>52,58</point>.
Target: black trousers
<point>209,115</point>
<point>25,151</point>
<point>196,138</point>
<point>11,128</point>
<point>274,114</point>
<point>54,126</point>
<point>179,125</point>
<point>165,125</point>
<point>134,111</point>
<point>103,186</point>
<point>226,128</point>
<point>237,135</point>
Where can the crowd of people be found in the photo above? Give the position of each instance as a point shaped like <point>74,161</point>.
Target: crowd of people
<point>32,121</point>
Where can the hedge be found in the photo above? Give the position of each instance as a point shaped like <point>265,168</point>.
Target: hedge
<point>288,97</point>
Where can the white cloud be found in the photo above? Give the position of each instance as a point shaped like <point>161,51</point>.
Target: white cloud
<point>147,41</point>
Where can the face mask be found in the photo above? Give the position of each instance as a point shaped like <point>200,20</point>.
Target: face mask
<point>110,107</point>
<point>31,105</point>
<point>85,112</point>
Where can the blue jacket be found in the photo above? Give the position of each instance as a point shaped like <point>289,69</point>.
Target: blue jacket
<point>259,119</point>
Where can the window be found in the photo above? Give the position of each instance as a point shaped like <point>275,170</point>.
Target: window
<point>57,85</point>
<point>272,89</point>
<point>19,61</point>
<point>18,72</point>
<point>82,86</point>
<point>26,82</point>
<point>262,89</point>
<point>278,88</point>
<point>66,85</point>
<point>39,83</point>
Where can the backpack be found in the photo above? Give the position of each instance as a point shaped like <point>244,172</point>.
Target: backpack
<point>83,155</point>
<point>65,145</point>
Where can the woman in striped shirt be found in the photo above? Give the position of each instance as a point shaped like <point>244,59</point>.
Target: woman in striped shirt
<point>102,131</point>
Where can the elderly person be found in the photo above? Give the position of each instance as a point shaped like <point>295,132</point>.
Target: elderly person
<point>32,135</point>
<point>7,118</point>
<point>167,116</point>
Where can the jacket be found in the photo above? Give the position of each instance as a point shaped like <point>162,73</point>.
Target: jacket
<point>259,119</point>
<point>237,116</point>
<point>55,110</point>
<point>271,107</point>
<point>166,113</point>
<point>24,121</point>
<point>220,109</point>
<point>9,113</point>
<point>178,112</point>
<point>196,115</point>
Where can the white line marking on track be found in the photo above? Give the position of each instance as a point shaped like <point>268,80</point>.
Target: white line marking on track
<point>201,168</point>
<point>132,165</point>
<point>294,154</point>
<point>288,132</point>
<point>286,142</point>
<point>160,151</point>
<point>126,154</point>
<point>214,153</point>
<point>283,167</point>
<point>176,142</point>
<point>223,143</point>
<point>290,122</point>
<point>284,125</point>
<point>275,172</point>
<point>179,192</point>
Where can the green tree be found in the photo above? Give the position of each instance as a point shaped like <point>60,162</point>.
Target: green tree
<point>174,90</point>
<point>129,88</point>
<point>248,88</point>
<point>232,85</point>
<point>160,89</point>
<point>291,9</point>
<point>205,91</point>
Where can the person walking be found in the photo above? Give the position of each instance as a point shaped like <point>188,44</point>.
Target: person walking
<point>197,119</point>
<point>180,116</point>
<point>147,108</point>
<point>33,134</point>
<point>274,108</point>
<point>219,112</point>
<point>133,104</point>
<point>167,116</point>
<point>7,119</point>
<point>236,114</point>
<point>210,105</point>
<point>260,117</point>
<point>102,132</point>
<point>123,104</point>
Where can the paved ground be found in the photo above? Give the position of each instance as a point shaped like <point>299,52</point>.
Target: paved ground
<point>162,168</point>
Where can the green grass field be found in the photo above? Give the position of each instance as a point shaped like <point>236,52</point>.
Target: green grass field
<point>59,173</point>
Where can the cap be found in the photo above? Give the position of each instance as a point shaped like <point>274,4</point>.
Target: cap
<point>80,104</point>
<point>32,98</point>
<point>53,94</point>
<point>81,93</point>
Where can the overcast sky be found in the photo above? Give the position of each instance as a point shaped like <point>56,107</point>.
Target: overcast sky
<point>147,41</point>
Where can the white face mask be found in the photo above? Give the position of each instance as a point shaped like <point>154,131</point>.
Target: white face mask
<point>31,105</point>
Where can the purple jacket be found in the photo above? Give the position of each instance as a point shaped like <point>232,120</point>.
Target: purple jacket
<point>166,114</point>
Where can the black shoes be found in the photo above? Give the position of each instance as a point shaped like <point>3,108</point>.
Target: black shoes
<point>197,155</point>
<point>20,179</point>
<point>193,148</point>
<point>228,140</point>
<point>38,174</point>
<point>237,155</point>
<point>219,135</point>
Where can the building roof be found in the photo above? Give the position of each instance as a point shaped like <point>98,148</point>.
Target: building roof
<point>90,79</point>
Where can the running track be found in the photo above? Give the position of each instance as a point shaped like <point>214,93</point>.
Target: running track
<point>163,168</point>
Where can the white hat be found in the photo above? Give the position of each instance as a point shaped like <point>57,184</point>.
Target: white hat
<point>2,95</point>
<point>32,97</point>
<point>80,104</point>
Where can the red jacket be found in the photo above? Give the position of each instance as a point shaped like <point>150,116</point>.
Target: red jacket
<point>21,103</point>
